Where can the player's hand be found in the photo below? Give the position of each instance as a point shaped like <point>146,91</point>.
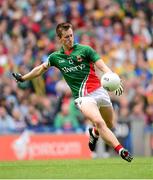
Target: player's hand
<point>18,77</point>
<point>120,90</point>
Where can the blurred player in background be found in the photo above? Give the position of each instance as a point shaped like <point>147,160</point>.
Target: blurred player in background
<point>76,63</point>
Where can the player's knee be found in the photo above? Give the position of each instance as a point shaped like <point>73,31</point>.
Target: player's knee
<point>100,124</point>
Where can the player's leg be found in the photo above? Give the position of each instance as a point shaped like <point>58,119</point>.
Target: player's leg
<point>108,115</point>
<point>104,103</point>
<point>91,111</point>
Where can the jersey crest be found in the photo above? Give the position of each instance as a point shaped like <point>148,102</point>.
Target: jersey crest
<point>79,58</point>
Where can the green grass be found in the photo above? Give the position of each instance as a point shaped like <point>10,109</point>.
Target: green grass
<point>112,168</point>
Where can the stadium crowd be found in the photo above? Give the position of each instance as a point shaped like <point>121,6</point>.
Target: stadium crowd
<point>120,31</point>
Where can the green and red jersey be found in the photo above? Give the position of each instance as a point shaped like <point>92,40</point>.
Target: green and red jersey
<point>77,67</point>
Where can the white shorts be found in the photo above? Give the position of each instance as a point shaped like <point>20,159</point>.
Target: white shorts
<point>100,97</point>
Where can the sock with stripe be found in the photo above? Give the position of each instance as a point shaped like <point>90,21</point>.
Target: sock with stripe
<point>118,149</point>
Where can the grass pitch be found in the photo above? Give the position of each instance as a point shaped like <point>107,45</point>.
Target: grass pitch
<point>112,168</point>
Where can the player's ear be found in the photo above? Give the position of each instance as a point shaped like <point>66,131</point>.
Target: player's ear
<point>59,39</point>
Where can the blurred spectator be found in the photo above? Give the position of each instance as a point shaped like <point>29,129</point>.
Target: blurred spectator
<point>7,124</point>
<point>19,120</point>
<point>33,119</point>
<point>66,122</point>
<point>149,116</point>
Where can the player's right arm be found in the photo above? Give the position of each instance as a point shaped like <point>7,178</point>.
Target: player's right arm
<point>35,72</point>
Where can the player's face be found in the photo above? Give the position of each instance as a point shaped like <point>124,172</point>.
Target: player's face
<point>67,39</point>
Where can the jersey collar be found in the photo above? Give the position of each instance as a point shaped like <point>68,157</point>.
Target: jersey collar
<point>67,52</point>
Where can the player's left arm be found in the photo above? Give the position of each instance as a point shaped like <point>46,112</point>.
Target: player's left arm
<point>104,68</point>
<point>95,58</point>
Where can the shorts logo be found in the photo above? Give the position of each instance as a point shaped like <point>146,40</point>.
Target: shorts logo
<point>78,103</point>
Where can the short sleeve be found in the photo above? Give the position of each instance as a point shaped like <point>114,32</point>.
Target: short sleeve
<point>50,60</point>
<point>92,54</point>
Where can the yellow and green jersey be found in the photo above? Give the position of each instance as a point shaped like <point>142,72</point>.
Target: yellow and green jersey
<point>77,67</point>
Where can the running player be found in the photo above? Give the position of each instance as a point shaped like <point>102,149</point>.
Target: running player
<point>76,63</point>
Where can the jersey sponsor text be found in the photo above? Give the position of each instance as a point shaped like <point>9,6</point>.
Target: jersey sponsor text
<point>73,69</point>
